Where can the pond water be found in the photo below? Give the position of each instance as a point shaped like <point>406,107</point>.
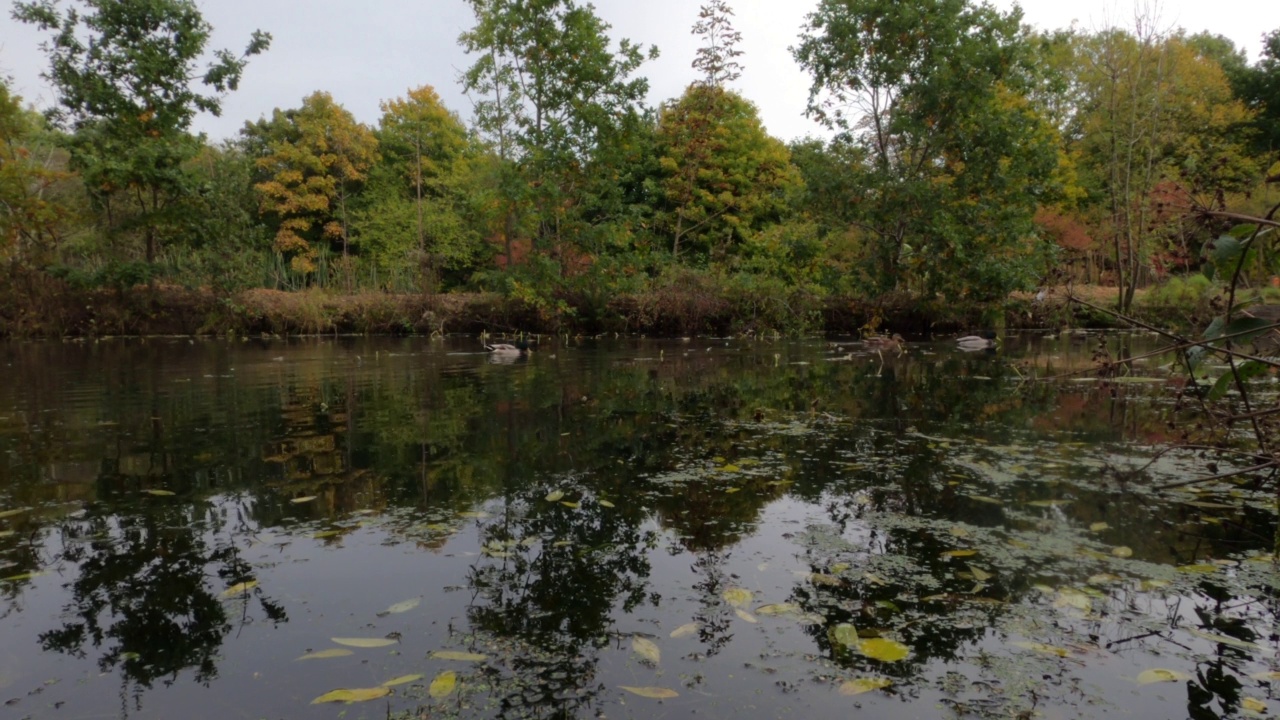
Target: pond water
<point>618,528</point>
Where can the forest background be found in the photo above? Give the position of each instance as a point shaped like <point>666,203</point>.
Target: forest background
<point>968,160</point>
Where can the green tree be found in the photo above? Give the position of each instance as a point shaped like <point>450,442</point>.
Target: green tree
<point>550,91</point>
<point>1259,88</point>
<point>717,59</point>
<point>128,87</point>
<point>316,158</point>
<point>722,176</point>
<point>938,94</point>
<point>418,203</point>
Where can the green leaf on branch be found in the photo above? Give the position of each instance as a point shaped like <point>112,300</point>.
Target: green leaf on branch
<point>1245,371</point>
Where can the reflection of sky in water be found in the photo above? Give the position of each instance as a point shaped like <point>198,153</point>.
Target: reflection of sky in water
<point>937,499</point>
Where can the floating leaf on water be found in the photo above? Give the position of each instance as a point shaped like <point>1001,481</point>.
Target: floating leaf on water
<point>1104,579</point>
<point>883,649</point>
<point>326,654</point>
<point>300,500</point>
<point>731,469</point>
<point>7,533</point>
<point>746,615</point>
<point>606,503</point>
<point>655,693</point>
<point>732,490</point>
<point>979,574</point>
<point>839,568</point>
<point>11,513</point>
<point>1200,568</point>
<point>555,496</point>
<point>1253,705</point>
<point>364,642</point>
<point>685,629</point>
<point>402,680</point>
<point>888,605</point>
<point>778,609</point>
<point>352,695</point>
<point>1149,585</point>
<point>1224,639</point>
<point>443,684</point>
<point>474,514</point>
<point>405,606</point>
<point>160,493</point>
<point>239,588</point>
<point>738,597</point>
<point>571,505</point>
<point>863,685</point>
<point>1043,588</point>
<point>875,579</point>
<point>844,634</point>
<point>1048,503</point>
<point>456,655</point>
<point>959,553</point>
<point>1072,598</point>
<point>1099,527</point>
<point>326,534</point>
<point>987,500</point>
<point>1124,551</point>
<point>646,649</point>
<point>823,579</point>
<point>26,575</point>
<point>959,532</point>
<point>1159,675</point>
<point>1270,676</point>
<point>1042,648</point>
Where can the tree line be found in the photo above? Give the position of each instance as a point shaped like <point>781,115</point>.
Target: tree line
<point>969,156</point>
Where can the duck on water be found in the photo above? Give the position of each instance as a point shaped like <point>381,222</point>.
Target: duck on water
<point>982,341</point>
<point>521,347</point>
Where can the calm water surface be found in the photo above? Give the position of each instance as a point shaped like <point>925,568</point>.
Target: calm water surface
<point>750,529</point>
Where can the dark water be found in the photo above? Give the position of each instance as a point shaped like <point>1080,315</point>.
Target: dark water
<point>181,522</point>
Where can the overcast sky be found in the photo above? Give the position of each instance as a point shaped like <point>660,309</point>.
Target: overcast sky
<point>365,52</point>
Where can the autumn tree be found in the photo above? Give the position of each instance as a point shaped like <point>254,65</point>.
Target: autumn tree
<point>549,90</point>
<point>313,160</point>
<point>35,212</point>
<point>938,94</point>
<point>717,59</point>
<point>126,73</point>
<point>722,175</point>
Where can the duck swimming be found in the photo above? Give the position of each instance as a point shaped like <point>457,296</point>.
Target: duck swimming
<point>520,348</point>
<point>881,342</point>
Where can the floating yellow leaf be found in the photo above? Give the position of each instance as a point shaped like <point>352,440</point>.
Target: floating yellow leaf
<point>405,606</point>
<point>1201,568</point>
<point>326,654</point>
<point>883,649</point>
<point>823,579</point>
<point>1271,676</point>
<point>875,579</point>
<point>300,500</point>
<point>862,685</point>
<point>364,642</point>
<point>646,649</point>
<point>1072,598</point>
<point>26,575</point>
<point>655,693</point>
<point>555,496</point>
<point>1042,648</point>
<point>737,597</point>
<point>1104,579</point>
<point>1123,551</point>
<point>1159,675</point>
<point>1048,503</point>
<point>606,503</point>
<point>239,588</point>
<point>571,505</point>
<point>987,500</point>
<point>326,534</point>
<point>1099,527</point>
<point>778,609</point>
<point>456,655</point>
<point>475,514</point>
<point>979,574</point>
<point>160,493</point>
<point>1253,705</point>
<point>352,695</point>
<point>959,553</point>
<point>1224,639</point>
<point>839,568</point>
<point>443,684</point>
<point>959,532</point>
<point>746,615</point>
<point>402,680</point>
<point>11,513</point>
<point>1149,585</point>
<point>731,469</point>
<point>683,630</point>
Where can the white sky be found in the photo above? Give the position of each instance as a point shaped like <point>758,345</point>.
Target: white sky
<point>365,52</point>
